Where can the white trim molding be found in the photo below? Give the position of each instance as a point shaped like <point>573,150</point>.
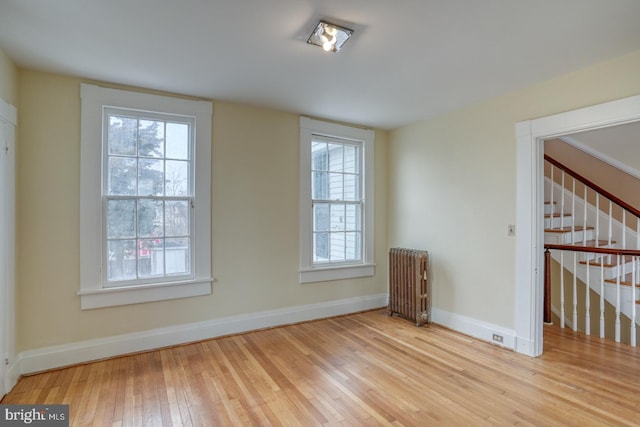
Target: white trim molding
<point>94,290</point>
<point>484,331</point>
<point>100,348</point>
<point>8,122</point>
<point>310,272</point>
<point>530,137</point>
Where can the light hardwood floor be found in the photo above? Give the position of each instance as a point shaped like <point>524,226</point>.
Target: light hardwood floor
<point>362,369</point>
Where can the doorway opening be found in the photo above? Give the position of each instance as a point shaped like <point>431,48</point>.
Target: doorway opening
<point>530,137</point>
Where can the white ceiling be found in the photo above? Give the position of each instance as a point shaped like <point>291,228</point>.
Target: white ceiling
<point>409,59</point>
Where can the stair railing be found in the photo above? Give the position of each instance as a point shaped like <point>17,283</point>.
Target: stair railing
<point>594,253</point>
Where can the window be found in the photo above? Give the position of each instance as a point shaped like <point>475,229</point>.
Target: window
<point>147,193</point>
<point>145,203</point>
<point>336,214</point>
<point>336,201</point>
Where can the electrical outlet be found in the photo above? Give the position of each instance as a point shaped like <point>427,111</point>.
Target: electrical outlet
<point>497,338</point>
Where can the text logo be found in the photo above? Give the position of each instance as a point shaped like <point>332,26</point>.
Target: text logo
<point>34,415</point>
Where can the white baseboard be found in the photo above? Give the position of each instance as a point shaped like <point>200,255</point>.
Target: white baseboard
<point>473,327</point>
<point>100,348</point>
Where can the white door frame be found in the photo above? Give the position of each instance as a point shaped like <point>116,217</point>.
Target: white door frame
<point>530,136</point>
<point>8,374</point>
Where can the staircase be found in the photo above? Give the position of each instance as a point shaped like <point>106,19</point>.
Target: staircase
<point>596,246</point>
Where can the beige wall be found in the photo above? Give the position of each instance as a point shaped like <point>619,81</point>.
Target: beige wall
<point>452,186</point>
<point>255,222</point>
<point>8,80</point>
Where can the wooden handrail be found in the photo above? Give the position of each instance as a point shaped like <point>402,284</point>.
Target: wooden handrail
<point>593,186</point>
<point>591,249</point>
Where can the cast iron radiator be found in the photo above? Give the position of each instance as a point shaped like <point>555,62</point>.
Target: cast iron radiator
<point>409,284</point>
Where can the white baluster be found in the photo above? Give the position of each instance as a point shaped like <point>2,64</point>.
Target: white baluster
<point>573,213</point>
<point>618,300</point>
<point>587,303</point>
<point>624,228</point>
<point>597,220</point>
<point>601,298</point>
<point>633,302</point>
<point>562,289</point>
<point>575,293</point>
<point>584,223</point>
<point>610,237</point>
<point>551,207</point>
<point>562,199</point>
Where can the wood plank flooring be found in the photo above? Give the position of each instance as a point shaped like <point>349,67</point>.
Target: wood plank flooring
<point>365,369</point>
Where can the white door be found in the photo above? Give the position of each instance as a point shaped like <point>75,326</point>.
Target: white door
<point>7,243</point>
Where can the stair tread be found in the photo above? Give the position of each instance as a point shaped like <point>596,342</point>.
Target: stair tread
<point>567,229</point>
<point>556,215</point>
<point>594,244</point>
<point>627,280</point>
<point>613,263</point>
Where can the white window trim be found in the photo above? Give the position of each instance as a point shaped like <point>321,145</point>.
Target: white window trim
<point>92,293</point>
<point>308,272</point>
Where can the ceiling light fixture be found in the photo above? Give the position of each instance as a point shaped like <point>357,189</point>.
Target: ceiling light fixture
<point>329,37</point>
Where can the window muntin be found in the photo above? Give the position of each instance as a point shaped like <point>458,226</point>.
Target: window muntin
<point>336,181</point>
<point>147,197</point>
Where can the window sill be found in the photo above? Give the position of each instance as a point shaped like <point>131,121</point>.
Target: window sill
<point>324,274</point>
<point>110,297</point>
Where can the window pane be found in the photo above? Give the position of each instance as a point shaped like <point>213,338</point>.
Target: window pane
<point>337,247</point>
<point>177,178</point>
<point>353,218</point>
<point>151,159</point>
<point>177,218</point>
<point>337,217</point>
<point>321,217</point>
<point>319,156</point>
<point>319,185</point>
<point>122,135</point>
<point>336,186</point>
<point>177,256</point>
<point>122,176</point>
<point>150,177</point>
<point>121,260</point>
<point>351,159</point>
<point>320,247</point>
<point>351,187</point>
<point>121,219</point>
<point>352,246</point>
<point>150,218</point>
<point>150,257</point>
<point>177,141</point>
<point>336,160</point>
<point>151,138</point>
